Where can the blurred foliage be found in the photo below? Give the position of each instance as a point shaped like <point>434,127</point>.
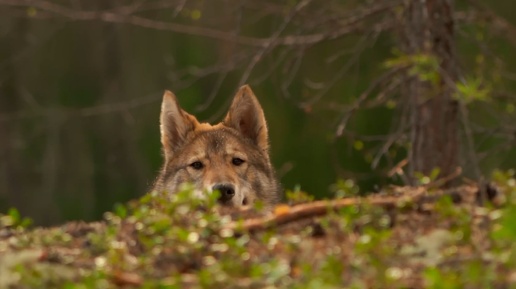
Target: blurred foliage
<point>176,241</point>
<point>13,219</point>
<point>425,67</point>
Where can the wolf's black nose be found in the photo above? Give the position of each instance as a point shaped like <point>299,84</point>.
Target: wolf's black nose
<point>227,191</point>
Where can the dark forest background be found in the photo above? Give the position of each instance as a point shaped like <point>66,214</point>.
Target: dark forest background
<point>81,83</point>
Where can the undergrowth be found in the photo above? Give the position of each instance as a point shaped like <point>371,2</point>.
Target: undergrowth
<point>174,241</point>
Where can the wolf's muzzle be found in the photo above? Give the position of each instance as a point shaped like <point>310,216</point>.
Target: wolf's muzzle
<point>227,192</point>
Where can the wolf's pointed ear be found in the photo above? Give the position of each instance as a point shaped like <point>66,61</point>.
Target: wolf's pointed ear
<point>246,115</point>
<point>175,125</point>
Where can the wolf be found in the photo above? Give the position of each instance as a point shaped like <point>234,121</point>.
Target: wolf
<point>231,157</point>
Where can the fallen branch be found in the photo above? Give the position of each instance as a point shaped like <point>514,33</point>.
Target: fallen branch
<point>284,214</point>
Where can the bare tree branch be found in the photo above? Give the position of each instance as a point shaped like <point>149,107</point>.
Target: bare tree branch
<point>351,25</point>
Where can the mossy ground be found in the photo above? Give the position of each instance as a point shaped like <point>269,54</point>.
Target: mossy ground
<point>454,238</point>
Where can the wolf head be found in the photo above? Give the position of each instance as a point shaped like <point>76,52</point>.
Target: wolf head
<point>231,157</point>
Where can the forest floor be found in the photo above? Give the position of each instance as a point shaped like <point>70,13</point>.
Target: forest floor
<point>402,237</point>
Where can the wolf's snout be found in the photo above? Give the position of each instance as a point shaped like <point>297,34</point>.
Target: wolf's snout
<point>227,192</point>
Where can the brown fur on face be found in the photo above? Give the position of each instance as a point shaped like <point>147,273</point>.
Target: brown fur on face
<point>231,156</point>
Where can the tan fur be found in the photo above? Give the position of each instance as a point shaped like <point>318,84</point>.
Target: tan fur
<point>219,148</point>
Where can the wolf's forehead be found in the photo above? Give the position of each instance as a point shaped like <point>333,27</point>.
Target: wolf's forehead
<point>219,142</point>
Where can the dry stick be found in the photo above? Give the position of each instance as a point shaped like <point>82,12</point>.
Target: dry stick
<point>285,214</point>
<point>442,181</point>
<point>317,208</point>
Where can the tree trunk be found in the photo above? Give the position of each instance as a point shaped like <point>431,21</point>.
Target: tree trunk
<point>428,29</point>
<point>11,170</point>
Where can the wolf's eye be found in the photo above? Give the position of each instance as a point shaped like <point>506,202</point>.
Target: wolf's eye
<point>197,165</point>
<point>237,161</point>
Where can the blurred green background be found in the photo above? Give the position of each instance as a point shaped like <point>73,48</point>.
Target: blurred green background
<point>81,83</point>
